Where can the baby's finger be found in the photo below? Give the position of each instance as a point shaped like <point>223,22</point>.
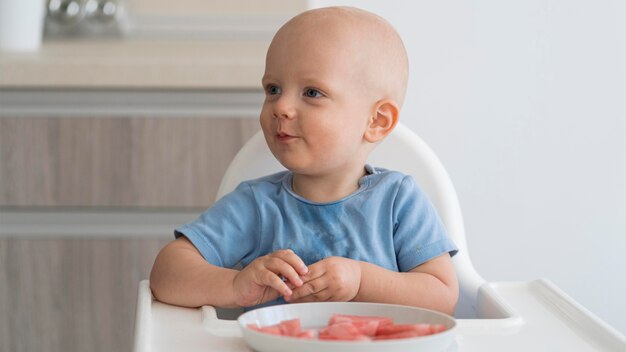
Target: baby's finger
<point>315,272</point>
<point>282,268</point>
<point>322,296</point>
<point>309,288</point>
<point>292,259</point>
<point>290,285</point>
<point>272,280</point>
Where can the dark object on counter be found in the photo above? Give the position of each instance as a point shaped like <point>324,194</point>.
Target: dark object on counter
<point>84,18</point>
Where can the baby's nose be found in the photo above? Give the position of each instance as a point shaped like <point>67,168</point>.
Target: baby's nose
<point>284,108</point>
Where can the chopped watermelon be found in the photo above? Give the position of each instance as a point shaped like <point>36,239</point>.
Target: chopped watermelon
<point>367,328</point>
<point>352,328</point>
<point>417,329</point>
<point>398,335</point>
<point>290,327</point>
<point>437,328</point>
<point>341,331</point>
<point>382,321</point>
<point>306,334</point>
<point>365,324</point>
<point>271,329</point>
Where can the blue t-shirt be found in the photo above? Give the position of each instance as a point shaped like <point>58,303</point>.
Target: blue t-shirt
<point>388,221</point>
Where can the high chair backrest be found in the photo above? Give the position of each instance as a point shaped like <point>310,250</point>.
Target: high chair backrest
<point>404,151</point>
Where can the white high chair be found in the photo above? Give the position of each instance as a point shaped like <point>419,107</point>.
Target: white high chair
<point>403,151</point>
<point>507,316</point>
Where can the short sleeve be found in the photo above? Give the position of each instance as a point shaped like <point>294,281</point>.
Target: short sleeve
<point>419,234</point>
<point>228,231</point>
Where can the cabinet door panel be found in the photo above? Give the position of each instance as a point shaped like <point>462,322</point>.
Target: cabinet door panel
<point>71,294</point>
<point>116,162</point>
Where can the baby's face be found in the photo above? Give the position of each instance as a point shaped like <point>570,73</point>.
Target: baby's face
<point>317,106</point>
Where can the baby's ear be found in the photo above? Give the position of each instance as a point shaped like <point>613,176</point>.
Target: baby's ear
<point>383,120</point>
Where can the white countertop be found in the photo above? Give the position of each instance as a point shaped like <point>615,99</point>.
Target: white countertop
<point>133,63</point>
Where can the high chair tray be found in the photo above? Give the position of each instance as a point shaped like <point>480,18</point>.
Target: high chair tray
<point>538,316</point>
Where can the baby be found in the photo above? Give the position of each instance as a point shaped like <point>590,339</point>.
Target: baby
<point>331,227</point>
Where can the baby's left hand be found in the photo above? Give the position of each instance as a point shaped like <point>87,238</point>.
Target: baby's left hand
<point>330,279</point>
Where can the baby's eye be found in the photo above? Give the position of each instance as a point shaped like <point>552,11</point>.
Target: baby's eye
<point>312,93</point>
<point>272,90</point>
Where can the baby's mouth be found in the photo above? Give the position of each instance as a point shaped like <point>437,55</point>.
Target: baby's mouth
<point>284,137</point>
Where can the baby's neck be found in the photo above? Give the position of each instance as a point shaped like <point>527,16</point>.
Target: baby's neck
<point>328,187</point>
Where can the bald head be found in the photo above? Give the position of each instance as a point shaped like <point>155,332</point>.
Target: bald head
<point>360,40</point>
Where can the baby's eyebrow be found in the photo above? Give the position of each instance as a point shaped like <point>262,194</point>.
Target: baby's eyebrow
<point>317,83</point>
<point>313,80</point>
<point>267,77</point>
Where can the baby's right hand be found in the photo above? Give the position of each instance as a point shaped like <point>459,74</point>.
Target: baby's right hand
<point>261,281</point>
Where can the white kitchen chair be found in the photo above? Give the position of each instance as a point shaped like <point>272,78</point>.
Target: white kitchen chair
<point>506,316</point>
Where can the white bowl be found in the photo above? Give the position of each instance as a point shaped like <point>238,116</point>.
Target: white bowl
<point>316,315</point>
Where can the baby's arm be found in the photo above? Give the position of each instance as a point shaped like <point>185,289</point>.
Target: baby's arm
<point>181,276</point>
<point>430,285</point>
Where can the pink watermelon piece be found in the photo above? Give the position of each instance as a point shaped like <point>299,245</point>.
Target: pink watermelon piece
<point>271,329</point>
<point>398,335</point>
<point>382,321</point>
<point>437,328</point>
<point>306,334</point>
<point>352,328</point>
<point>418,329</point>
<point>290,327</point>
<point>341,331</point>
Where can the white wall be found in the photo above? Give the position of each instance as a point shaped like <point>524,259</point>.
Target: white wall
<point>525,103</point>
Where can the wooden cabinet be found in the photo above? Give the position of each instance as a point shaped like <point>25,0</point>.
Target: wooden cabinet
<point>63,294</point>
<point>168,162</point>
<point>78,293</point>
